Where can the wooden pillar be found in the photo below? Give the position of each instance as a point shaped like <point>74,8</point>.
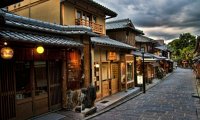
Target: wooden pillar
<point>135,71</point>
<point>126,87</point>
<point>64,80</point>
<point>87,61</point>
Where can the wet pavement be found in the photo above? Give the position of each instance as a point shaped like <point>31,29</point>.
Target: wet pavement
<point>170,100</point>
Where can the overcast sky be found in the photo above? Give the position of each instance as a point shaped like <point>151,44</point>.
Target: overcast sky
<point>159,19</point>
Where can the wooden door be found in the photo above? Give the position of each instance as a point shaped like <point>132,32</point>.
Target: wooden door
<point>55,85</point>
<point>105,88</point>
<point>105,80</point>
<point>7,90</point>
<point>114,78</point>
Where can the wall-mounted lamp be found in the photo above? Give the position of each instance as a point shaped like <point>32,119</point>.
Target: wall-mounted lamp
<point>40,49</point>
<point>5,43</point>
<point>7,53</point>
<point>96,65</point>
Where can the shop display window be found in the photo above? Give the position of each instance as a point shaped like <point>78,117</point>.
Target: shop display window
<point>40,77</point>
<point>104,71</point>
<point>129,71</point>
<point>22,76</point>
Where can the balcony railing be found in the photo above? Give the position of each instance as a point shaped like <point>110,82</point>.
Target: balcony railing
<point>97,28</point>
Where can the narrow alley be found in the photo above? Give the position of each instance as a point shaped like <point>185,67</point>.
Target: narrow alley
<point>170,100</point>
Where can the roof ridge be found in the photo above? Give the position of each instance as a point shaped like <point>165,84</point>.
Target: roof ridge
<point>144,37</point>
<point>119,20</point>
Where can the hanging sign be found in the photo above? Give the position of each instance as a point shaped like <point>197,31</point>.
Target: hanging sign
<point>7,53</point>
<point>111,56</point>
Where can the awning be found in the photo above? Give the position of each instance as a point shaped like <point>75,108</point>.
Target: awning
<point>37,38</point>
<point>106,41</point>
<point>150,59</point>
<point>139,53</point>
<point>160,57</point>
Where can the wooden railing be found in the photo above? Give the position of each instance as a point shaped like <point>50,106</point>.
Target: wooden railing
<point>97,28</point>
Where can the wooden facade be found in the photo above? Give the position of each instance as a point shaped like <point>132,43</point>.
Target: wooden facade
<point>35,83</point>
<point>112,71</point>
<point>82,12</point>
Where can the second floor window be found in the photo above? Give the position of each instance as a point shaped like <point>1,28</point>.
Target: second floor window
<point>78,15</point>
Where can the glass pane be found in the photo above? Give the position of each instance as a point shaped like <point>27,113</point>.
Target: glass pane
<point>94,19</point>
<point>78,14</point>
<point>123,72</point>
<point>104,71</point>
<point>40,77</point>
<point>23,84</point>
<point>129,71</point>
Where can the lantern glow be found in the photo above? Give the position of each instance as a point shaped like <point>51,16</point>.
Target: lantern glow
<point>7,53</point>
<point>40,49</point>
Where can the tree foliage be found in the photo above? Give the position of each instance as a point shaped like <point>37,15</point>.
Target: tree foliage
<point>183,47</point>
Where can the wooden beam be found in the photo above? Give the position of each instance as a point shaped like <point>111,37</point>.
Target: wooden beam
<point>64,80</point>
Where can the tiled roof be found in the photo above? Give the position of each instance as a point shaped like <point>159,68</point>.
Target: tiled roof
<point>38,38</point>
<point>163,48</point>
<point>139,53</point>
<point>106,41</point>
<point>103,8</point>
<point>148,55</point>
<point>121,24</point>
<point>144,39</point>
<point>37,25</point>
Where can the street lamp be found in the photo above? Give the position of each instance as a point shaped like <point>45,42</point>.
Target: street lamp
<point>144,82</point>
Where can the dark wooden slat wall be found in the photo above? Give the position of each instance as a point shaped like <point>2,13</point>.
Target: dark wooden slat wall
<point>55,84</point>
<point>7,89</point>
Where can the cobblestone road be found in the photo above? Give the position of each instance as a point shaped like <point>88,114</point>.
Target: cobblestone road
<point>169,100</point>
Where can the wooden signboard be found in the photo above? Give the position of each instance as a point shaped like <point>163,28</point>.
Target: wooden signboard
<point>111,56</point>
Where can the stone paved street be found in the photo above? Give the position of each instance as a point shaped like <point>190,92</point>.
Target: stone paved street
<point>169,100</point>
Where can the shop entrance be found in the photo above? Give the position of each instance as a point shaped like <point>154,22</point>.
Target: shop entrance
<point>110,78</point>
<point>114,78</point>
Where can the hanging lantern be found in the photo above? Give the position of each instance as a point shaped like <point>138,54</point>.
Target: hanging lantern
<point>7,53</point>
<point>40,49</point>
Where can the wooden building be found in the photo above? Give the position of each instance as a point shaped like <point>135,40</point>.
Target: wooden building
<point>167,63</point>
<point>39,62</point>
<point>66,12</point>
<point>111,61</point>
<point>124,31</point>
<point>146,45</point>
<point>84,13</point>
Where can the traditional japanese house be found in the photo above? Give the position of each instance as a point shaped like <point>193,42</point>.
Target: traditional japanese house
<point>146,45</point>
<point>162,50</point>
<point>124,31</point>
<point>82,13</point>
<point>38,63</point>
<point>108,56</point>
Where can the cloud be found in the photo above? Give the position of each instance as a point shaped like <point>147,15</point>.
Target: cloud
<point>159,18</point>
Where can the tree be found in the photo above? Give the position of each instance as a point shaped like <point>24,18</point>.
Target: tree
<point>183,47</point>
